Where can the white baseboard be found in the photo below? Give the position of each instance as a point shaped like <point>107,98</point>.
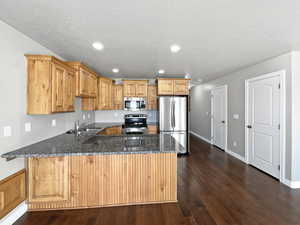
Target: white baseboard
<point>199,136</point>
<point>236,155</point>
<point>292,184</point>
<point>14,215</point>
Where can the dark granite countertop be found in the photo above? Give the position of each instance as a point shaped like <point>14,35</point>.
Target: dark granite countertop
<point>93,144</point>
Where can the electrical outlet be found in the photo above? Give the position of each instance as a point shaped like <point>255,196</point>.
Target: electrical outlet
<point>53,123</point>
<point>27,127</point>
<point>234,143</point>
<point>83,116</point>
<point>7,131</point>
<point>89,115</point>
<point>236,116</point>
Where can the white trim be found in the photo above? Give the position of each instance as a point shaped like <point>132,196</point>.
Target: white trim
<point>199,136</point>
<point>292,184</point>
<point>226,115</point>
<point>230,152</point>
<point>15,214</point>
<point>282,75</point>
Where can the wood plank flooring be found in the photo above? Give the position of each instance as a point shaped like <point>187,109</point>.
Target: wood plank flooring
<point>213,189</point>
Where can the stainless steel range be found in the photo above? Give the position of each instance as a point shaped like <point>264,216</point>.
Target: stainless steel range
<point>135,123</point>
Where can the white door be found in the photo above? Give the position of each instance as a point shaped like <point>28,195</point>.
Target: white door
<point>219,117</point>
<point>263,128</point>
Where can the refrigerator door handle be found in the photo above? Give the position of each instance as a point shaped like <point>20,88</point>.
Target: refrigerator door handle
<point>174,115</point>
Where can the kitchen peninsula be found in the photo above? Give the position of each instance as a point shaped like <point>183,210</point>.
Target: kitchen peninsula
<point>94,169</point>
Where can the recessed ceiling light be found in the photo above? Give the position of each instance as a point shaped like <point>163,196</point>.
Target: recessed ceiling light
<point>161,71</point>
<point>115,70</point>
<point>175,48</point>
<point>98,46</point>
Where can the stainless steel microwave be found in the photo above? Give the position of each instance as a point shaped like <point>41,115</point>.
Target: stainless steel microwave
<point>134,104</point>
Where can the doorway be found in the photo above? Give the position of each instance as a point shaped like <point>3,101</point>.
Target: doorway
<point>219,117</point>
<point>265,123</point>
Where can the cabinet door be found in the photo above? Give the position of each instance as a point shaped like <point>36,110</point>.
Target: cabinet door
<point>104,97</point>
<point>58,76</point>
<point>84,80</point>
<point>181,87</point>
<point>92,85</point>
<point>69,91</point>
<point>48,179</point>
<point>165,87</point>
<point>152,97</point>
<point>117,96</point>
<point>141,89</point>
<point>129,89</point>
<point>88,104</point>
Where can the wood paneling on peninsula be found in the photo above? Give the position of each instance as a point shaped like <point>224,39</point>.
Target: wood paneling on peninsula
<point>108,180</point>
<point>12,192</point>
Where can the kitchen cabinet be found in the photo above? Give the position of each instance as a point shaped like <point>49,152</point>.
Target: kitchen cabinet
<point>88,104</point>
<point>104,94</point>
<point>152,97</point>
<point>170,86</point>
<point>117,96</point>
<point>135,88</point>
<point>50,85</point>
<point>48,179</point>
<point>152,129</point>
<point>86,80</point>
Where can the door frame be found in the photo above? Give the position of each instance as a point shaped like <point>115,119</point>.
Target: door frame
<point>282,147</point>
<point>226,115</point>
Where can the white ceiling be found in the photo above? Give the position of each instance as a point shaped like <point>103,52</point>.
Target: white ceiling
<point>216,36</point>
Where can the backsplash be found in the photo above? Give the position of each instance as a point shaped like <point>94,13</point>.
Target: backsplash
<point>118,115</point>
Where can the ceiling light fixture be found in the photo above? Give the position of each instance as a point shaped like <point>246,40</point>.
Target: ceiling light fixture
<point>161,71</point>
<point>98,46</point>
<point>115,70</point>
<point>175,48</point>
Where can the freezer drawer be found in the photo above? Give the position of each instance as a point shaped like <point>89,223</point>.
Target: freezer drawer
<point>182,146</point>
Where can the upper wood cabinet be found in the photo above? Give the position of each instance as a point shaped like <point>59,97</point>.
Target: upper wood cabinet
<point>169,86</point>
<point>135,88</point>
<point>117,96</point>
<point>152,97</point>
<point>50,85</point>
<point>88,104</point>
<point>86,80</point>
<point>104,97</point>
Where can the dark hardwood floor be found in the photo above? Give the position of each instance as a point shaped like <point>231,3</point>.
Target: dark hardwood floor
<point>213,189</point>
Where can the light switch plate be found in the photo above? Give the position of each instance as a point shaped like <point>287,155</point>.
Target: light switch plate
<point>89,115</point>
<point>27,127</point>
<point>53,123</point>
<point>7,131</point>
<point>234,144</point>
<point>236,116</point>
<point>83,117</point>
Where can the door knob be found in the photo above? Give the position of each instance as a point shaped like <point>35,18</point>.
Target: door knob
<point>223,121</point>
<point>249,126</point>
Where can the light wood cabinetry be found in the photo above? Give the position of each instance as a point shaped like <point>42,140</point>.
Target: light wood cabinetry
<point>152,97</point>
<point>135,88</point>
<point>50,85</point>
<point>152,129</point>
<point>86,80</point>
<point>117,96</point>
<point>88,104</point>
<point>104,94</point>
<point>12,192</point>
<point>169,86</point>
<point>102,180</point>
<point>48,179</point>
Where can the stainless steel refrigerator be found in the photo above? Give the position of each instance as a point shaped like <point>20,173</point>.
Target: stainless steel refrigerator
<point>173,120</point>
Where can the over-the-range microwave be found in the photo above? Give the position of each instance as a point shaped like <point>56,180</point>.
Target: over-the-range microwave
<point>134,103</point>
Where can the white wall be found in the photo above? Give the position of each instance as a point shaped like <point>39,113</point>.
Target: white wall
<point>13,46</point>
<point>118,115</point>
<point>200,103</point>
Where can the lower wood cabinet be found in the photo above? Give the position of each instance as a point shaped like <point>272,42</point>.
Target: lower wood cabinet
<point>49,179</point>
<point>101,180</point>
